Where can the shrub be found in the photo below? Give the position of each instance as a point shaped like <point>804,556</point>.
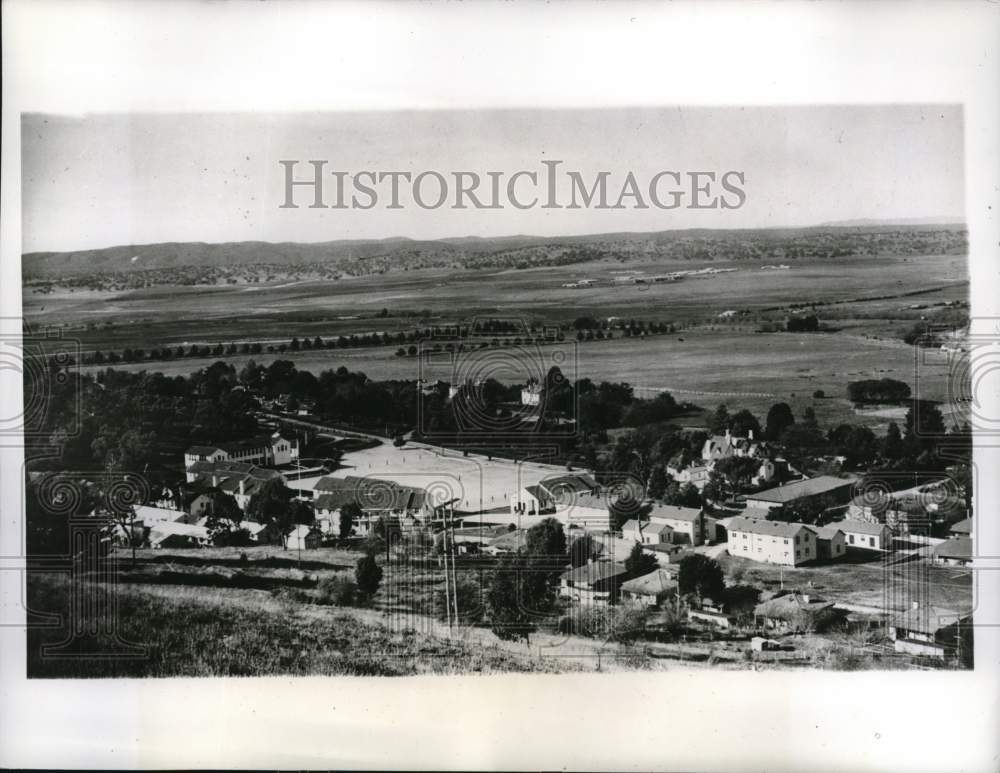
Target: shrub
<point>819,394</point>
<point>336,590</point>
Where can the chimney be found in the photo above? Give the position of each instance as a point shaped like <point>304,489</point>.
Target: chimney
<point>750,434</point>
<point>241,486</point>
<point>805,598</point>
<point>914,605</point>
<point>727,434</point>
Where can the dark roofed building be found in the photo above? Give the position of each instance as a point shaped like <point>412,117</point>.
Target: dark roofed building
<point>838,489</point>
<point>954,552</point>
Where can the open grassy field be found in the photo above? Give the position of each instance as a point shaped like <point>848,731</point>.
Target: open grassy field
<point>198,631</point>
<point>280,310</point>
<point>860,579</point>
<point>738,367</point>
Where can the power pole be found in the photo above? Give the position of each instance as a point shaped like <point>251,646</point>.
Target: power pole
<point>454,570</point>
<point>444,556</point>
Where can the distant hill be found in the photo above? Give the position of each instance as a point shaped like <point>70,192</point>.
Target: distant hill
<point>375,255</point>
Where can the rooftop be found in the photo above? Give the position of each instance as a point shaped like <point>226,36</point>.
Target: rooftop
<point>655,582</point>
<point>595,572</point>
<point>954,548</point>
<point>860,527</point>
<point>768,528</point>
<point>647,527</point>
<point>809,487</point>
<point>927,619</point>
<point>791,604</point>
<point>674,513</point>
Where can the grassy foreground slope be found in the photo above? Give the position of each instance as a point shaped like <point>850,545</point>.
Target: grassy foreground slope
<point>200,632</point>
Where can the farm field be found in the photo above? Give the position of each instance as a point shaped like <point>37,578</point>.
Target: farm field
<point>280,310</point>
<point>738,367</point>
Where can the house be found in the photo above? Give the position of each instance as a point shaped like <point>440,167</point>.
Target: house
<point>150,515</point>
<point>929,631</point>
<point>954,552</point>
<point>304,537</point>
<point>506,544</point>
<point>865,535</point>
<point>961,528</point>
<point>830,542</point>
<point>713,614</point>
<point>650,589</point>
<point>795,612</point>
<point>724,446</point>
<point>837,489</point>
<point>697,475</point>
<point>547,495</point>
<point>666,555</point>
<point>773,542</point>
<point>647,532</point>
<point>171,534</point>
<point>583,517</point>
<point>595,584</point>
<point>690,525</point>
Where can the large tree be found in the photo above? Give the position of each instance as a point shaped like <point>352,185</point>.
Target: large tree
<point>582,550</point>
<point>350,514</point>
<point>779,418</point>
<point>271,507</point>
<point>511,599</point>
<point>639,562</point>
<point>368,575</point>
<point>701,576</point>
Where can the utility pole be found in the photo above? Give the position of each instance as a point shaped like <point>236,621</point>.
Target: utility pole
<point>454,570</point>
<point>444,556</point>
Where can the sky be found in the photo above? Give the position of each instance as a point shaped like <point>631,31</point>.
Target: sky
<point>96,181</point>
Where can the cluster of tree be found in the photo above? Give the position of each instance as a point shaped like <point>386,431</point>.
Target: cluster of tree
<point>802,324</point>
<point>522,588</point>
<point>134,422</point>
<point>878,390</point>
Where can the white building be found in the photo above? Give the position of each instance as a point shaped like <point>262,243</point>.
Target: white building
<point>772,542</point>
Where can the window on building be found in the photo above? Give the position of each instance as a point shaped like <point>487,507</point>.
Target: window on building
<point>851,538</point>
<point>786,542</point>
<point>871,541</point>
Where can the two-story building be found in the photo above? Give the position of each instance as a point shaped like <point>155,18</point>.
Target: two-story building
<point>689,525</point>
<point>772,542</point>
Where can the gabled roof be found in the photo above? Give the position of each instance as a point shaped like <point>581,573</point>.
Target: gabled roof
<point>849,525</point>
<point>962,527</point>
<point>927,619</point>
<point>537,492</point>
<point>646,527</point>
<point>674,513</point>
<point>575,483</point>
<point>826,532</point>
<point>767,528</point>
<point>809,487</point>
<point>202,450</point>
<point>960,547</point>
<point>594,572</point>
<point>149,514</point>
<point>788,606</point>
<point>654,583</point>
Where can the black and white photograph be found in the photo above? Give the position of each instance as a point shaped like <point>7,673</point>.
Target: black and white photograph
<point>480,430</point>
<point>352,396</point>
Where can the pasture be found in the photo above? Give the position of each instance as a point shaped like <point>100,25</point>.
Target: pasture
<point>277,311</point>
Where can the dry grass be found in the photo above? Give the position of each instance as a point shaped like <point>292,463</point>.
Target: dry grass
<point>216,632</point>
